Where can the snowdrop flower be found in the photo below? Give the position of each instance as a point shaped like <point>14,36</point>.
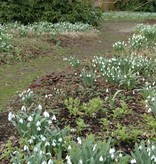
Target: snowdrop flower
<point>54,118</point>
<point>42,138</point>
<point>153,158</point>
<point>120,155</point>
<point>68,159</point>
<point>133,161</point>
<point>69,147</point>
<point>41,152</point>
<point>54,143</point>
<point>35,149</point>
<point>94,147</point>
<point>149,110</point>
<point>101,159</point>
<point>153,147</point>
<point>112,156</point>
<point>47,144</point>
<point>10,116</point>
<point>79,140</point>
<point>38,123</point>
<point>60,139</point>
<point>26,148</point>
<point>44,162</point>
<point>140,147</point>
<point>49,122</point>
<point>23,108</point>
<point>50,161</point>
<point>46,114</point>
<point>21,121</point>
<point>80,162</point>
<point>72,130</point>
<point>30,141</point>
<point>112,151</point>
<point>38,129</point>
<point>39,107</point>
<point>30,118</point>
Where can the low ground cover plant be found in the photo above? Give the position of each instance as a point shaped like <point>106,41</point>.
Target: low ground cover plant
<point>43,32</point>
<point>97,111</point>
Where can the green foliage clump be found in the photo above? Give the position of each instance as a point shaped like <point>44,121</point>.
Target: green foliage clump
<point>29,11</point>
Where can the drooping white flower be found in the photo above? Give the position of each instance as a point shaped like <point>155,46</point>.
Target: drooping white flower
<point>94,147</point>
<point>49,122</point>
<point>69,147</point>
<point>153,147</point>
<point>39,107</point>
<point>38,128</point>
<point>50,161</point>
<point>112,151</point>
<point>140,147</point>
<point>41,152</point>
<point>46,114</point>
<point>101,159</point>
<point>23,108</point>
<point>26,148</point>
<point>47,144</point>
<point>10,116</point>
<point>54,143</point>
<point>21,121</point>
<point>38,123</point>
<point>133,161</point>
<point>54,118</point>
<point>35,149</point>
<point>120,155</point>
<point>79,140</point>
<point>60,139</point>
<point>149,110</point>
<point>42,138</point>
<point>153,158</point>
<point>30,141</point>
<point>68,159</point>
<point>80,161</point>
<point>30,118</point>
<point>44,162</point>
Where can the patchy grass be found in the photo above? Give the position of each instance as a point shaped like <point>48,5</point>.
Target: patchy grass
<point>17,77</point>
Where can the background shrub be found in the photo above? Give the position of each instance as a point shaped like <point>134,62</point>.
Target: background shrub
<point>137,5</point>
<point>29,11</point>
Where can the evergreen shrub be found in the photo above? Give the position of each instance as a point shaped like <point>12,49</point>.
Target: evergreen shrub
<point>30,11</point>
